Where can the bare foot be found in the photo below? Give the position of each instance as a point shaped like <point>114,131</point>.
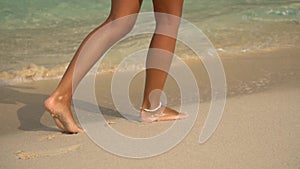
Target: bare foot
<point>162,114</point>
<point>62,115</point>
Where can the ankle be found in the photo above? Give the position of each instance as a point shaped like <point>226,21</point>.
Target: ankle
<point>152,110</point>
<point>57,97</point>
<point>153,106</point>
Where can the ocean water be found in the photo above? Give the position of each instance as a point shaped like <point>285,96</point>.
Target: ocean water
<point>39,37</point>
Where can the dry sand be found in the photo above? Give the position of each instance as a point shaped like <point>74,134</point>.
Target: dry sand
<point>260,127</point>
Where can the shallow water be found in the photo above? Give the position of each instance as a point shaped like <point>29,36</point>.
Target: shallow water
<point>39,37</point>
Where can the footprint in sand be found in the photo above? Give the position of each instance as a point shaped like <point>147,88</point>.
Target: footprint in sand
<point>26,155</point>
<point>50,136</point>
<point>31,155</point>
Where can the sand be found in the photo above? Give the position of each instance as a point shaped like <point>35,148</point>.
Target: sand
<point>260,127</point>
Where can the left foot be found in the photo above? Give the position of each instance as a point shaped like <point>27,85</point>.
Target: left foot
<point>162,114</point>
<point>62,115</point>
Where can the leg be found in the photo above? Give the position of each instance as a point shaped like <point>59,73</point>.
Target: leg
<point>91,49</point>
<point>164,39</point>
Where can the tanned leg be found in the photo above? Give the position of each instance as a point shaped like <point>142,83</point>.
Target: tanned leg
<point>58,104</point>
<point>159,60</point>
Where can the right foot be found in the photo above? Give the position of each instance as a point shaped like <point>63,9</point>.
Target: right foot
<point>62,115</point>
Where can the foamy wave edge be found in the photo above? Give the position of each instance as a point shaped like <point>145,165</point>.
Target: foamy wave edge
<point>35,72</point>
<point>31,73</point>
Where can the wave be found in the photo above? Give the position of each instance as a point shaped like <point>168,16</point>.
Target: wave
<point>31,73</point>
<point>35,72</point>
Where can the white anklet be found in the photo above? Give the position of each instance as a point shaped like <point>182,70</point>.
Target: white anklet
<point>153,110</point>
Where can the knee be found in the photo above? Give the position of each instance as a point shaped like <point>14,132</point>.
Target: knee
<point>167,24</point>
<point>121,24</point>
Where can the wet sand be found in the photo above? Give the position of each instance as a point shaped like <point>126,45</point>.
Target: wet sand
<point>259,129</point>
